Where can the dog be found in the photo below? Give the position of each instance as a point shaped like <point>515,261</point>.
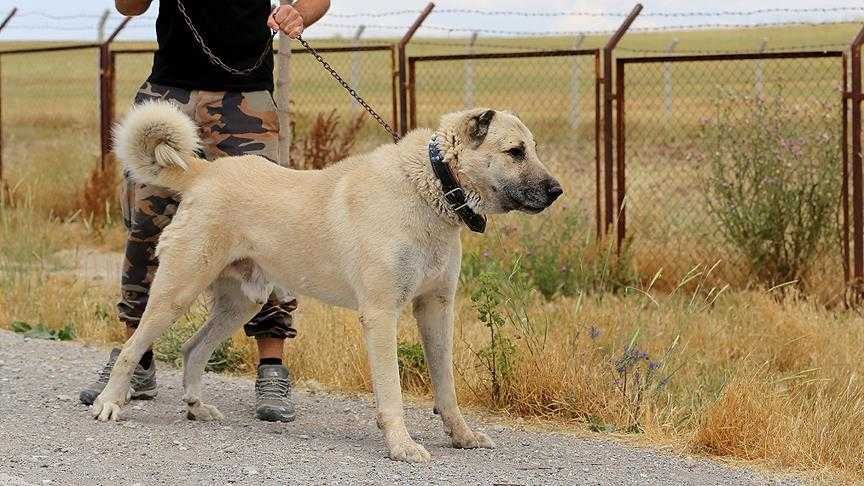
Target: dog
<point>374,233</point>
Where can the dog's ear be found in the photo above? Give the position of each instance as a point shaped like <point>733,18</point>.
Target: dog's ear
<point>478,127</point>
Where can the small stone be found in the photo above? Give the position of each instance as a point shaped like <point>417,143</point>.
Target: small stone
<point>303,436</point>
<point>250,471</point>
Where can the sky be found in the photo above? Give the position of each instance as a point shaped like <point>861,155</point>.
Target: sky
<point>78,19</point>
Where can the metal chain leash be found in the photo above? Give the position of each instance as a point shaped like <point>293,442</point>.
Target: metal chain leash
<point>214,59</point>
<point>351,91</point>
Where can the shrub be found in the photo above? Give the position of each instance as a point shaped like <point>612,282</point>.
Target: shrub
<point>565,258</point>
<point>560,257</point>
<point>328,142</point>
<point>774,185</point>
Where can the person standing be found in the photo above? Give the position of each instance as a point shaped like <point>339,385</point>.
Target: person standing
<point>215,62</point>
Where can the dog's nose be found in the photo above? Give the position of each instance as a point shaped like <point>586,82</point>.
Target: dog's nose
<point>553,190</point>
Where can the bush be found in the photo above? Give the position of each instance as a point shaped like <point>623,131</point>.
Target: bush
<point>560,257</point>
<point>774,185</point>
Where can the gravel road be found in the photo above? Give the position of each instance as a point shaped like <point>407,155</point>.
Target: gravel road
<point>47,437</point>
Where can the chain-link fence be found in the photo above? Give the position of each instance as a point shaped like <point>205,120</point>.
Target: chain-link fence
<point>50,123</point>
<point>722,154</point>
<point>672,110</point>
<point>553,92</point>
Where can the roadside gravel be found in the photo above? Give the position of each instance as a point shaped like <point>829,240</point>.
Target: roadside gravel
<point>47,437</point>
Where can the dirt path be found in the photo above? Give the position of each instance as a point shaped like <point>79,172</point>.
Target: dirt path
<point>47,437</point>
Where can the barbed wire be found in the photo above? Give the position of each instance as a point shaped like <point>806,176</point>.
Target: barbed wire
<point>524,13</point>
<point>546,33</point>
<point>787,48</point>
<point>148,22</point>
<point>717,13</point>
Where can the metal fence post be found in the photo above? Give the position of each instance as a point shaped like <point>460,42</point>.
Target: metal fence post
<point>2,186</point>
<point>3,26</point>
<point>401,74</point>
<point>857,172</point>
<point>575,82</point>
<point>355,62</point>
<point>760,71</point>
<point>667,77</point>
<point>608,114</point>
<point>8,17</point>
<point>106,92</point>
<point>469,100</point>
<point>283,98</point>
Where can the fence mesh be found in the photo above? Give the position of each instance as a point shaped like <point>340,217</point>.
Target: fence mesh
<point>554,96</point>
<point>50,123</point>
<point>682,118</point>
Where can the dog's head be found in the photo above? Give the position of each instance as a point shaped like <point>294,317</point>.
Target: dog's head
<point>495,158</point>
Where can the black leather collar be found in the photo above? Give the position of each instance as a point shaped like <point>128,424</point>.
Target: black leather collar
<point>454,195</point>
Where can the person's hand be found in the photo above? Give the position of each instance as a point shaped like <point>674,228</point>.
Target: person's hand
<point>286,19</point>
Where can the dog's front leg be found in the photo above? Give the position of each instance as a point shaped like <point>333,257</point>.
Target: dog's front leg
<point>379,328</point>
<point>434,314</point>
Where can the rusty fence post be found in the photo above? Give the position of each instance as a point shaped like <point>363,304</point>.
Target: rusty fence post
<point>844,196</point>
<point>3,26</point>
<point>2,186</point>
<point>106,93</point>
<point>8,18</point>
<point>620,140</point>
<point>394,85</point>
<point>857,173</point>
<point>401,75</point>
<point>608,114</point>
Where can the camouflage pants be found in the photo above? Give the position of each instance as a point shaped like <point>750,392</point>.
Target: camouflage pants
<point>231,123</point>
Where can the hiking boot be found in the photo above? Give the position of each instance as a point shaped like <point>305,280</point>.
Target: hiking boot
<point>273,394</point>
<point>143,385</point>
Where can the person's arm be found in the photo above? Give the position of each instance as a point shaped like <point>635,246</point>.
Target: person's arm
<point>293,19</point>
<point>131,8</point>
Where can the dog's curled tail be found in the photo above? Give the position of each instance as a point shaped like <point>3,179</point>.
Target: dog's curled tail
<point>156,144</point>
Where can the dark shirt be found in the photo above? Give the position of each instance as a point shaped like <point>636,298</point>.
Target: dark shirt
<point>235,30</point>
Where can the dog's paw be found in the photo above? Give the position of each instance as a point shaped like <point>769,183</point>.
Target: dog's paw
<point>203,412</point>
<point>472,440</point>
<point>409,451</point>
<point>105,409</point>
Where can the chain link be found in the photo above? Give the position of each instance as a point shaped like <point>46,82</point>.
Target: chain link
<point>267,51</point>
<point>351,91</point>
<point>216,60</point>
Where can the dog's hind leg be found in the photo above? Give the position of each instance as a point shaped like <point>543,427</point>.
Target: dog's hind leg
<point>434,314</point>
<point>186,268</point>
<point>231,308</point>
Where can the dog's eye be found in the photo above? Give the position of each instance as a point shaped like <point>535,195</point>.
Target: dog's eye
<point>517,153</point>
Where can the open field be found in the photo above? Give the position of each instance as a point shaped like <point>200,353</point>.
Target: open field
<point>655,347</point>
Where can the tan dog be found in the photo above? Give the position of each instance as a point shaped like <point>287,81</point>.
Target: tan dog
<point>371,233</point>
